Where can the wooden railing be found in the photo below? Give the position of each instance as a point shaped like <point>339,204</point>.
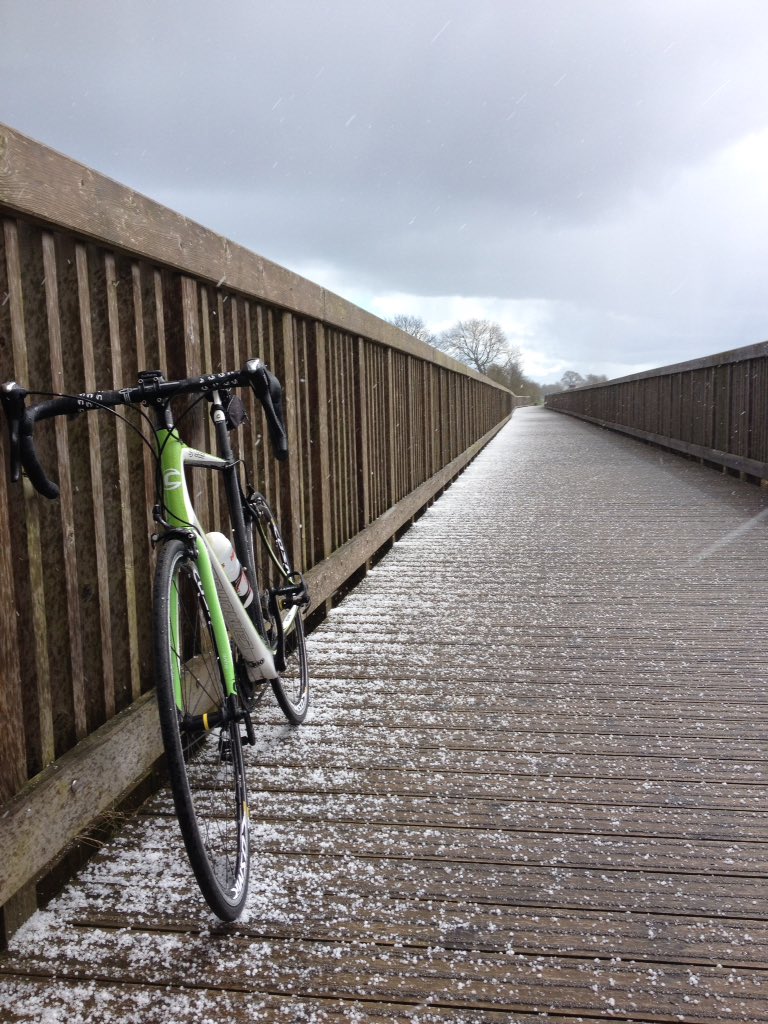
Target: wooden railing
<point>96,283</point>
<point>714,409</point>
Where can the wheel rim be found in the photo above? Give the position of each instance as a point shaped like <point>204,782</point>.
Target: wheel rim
<point>292,686</point>
<point>293,678</point>
<point>213,765</point>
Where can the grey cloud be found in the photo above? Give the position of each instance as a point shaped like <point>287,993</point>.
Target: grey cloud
<point>531,150</point>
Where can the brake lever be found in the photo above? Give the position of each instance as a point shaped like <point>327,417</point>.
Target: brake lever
<point>269,392</point>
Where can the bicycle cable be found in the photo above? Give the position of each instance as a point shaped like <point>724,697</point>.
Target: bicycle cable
<point>155,449</point>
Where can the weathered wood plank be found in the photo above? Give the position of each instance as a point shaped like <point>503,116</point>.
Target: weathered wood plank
<point>731,942</point>
<point>683,767</point>
<point>131,879</point>
<point>105,1003</point>
<point>505,980</point>
<point>64,799</point>
<point>66,504</point>
<point>116,335</point>
<point>42,739</point>
<point>735,827</point>
<point>319,401</point>
<point>13,746</point>
<point>538,784</point>
<point>97,488</point>
<point>290,475</point>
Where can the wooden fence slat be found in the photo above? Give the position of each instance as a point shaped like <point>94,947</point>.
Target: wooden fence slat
<point>97,487</point>
<point>290,470</point>
<point>320,451</point>
<point>13,752</point>
<point>115,343</point>
<point>66,506</point>
<point>144,363</point>
<point>45,737</point>
<point>13,743</point>
<point>361,436</point>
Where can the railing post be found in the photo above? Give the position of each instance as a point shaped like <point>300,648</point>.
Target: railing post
<point>320,460</point>
<point>363,469</point>
<point>392,433</point>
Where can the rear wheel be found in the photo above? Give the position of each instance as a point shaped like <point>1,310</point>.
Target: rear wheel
<point>201,733</point>
<point>282,612</point>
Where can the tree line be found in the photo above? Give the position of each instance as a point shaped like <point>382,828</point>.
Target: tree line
<point>483,345</point>
<point>572,379</point>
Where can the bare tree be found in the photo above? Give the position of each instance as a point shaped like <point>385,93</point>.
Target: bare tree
<point>478,343</point>
<point>513,371</point>
<point>414,326</point>
<point>571,379</point>
<point>509,372</point>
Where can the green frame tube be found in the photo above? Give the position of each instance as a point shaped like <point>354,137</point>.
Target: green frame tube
<point>181,515</point>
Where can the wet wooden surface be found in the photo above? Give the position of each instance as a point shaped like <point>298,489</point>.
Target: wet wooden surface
<point>532,786</point>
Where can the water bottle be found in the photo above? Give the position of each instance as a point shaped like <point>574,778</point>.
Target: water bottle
<point>235,573</point>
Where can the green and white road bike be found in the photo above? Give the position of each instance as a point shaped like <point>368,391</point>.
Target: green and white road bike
<point>227,610</point>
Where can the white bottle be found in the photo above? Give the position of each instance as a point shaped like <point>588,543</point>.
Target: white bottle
<point>235,573</point>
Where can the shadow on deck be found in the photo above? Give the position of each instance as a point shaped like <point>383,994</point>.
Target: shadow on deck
<point>533,782</point>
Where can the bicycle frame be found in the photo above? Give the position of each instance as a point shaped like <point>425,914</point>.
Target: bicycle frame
<point>225,607</point>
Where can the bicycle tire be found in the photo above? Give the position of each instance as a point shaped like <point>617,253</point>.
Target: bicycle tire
<point>206,769</point>
<point>273,566</point>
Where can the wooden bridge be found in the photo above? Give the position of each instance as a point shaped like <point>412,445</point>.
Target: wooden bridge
<point>532,786</point>
<point>533,782</point>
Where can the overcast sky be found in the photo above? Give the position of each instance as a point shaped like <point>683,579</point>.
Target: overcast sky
<point>593,174</point>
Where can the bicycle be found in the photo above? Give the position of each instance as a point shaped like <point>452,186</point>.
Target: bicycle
<point>227,621</point>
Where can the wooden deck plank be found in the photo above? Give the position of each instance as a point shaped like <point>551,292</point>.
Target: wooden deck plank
<point>509,816</point>
<point>539,932</point>
<point>558,788</point>
<point>505,980</point>
<point>117,882</point>
<point>532,783</point>
<point>528,759</point>
<point>541,740</point>
<point>104,1003</point>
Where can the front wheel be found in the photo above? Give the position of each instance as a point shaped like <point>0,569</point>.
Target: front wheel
<point>273,567</point>
<point>201,733</point>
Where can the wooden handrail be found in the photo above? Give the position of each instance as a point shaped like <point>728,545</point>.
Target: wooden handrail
<point>714,408</point>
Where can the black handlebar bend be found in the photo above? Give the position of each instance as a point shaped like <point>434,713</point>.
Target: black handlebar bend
<point>267,389</point>
<point>151,390</point>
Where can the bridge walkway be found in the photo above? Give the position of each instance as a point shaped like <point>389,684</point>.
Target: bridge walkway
<point>532,786</point>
